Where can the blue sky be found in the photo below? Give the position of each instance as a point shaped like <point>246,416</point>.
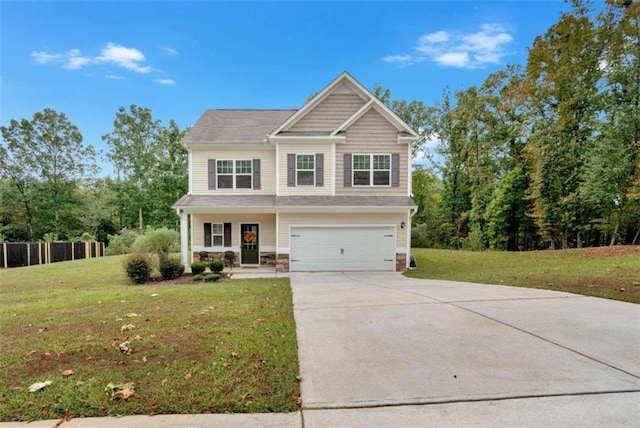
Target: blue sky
<point>86,59</point>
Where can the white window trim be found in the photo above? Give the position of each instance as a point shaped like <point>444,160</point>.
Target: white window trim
<point>313,169</point>
<point>234,174</point>
<point>371,170</point>
<point>221,235</point>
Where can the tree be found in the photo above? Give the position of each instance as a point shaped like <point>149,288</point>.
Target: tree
<point>611,182</point>
<point>561,82</point>
<point>171,179</point>
<point>48,149</point>
<point>133,152</point>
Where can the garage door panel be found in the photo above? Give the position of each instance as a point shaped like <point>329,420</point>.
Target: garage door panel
<point>341,249</point>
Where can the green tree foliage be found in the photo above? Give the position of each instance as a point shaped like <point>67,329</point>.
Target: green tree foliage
<point>562,74</point>
<point>45,160</point>
<point>151,167</point>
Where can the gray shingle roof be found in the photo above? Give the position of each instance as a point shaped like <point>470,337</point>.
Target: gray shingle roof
<point>253,201</point>
<point>232,126</point>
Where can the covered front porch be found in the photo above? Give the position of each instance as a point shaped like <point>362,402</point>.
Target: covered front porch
<point>240,230</point>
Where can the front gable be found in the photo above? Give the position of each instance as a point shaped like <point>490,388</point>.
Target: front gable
<point>329,113</point>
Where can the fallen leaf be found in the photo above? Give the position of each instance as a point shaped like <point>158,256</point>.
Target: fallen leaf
<point>44,411</point>
<point>43,329</point>
<point>124,348</point>
<point>121,391</point>
<point>145,359</point>
<point>89,358</point>
<point>67,372</point>
<point>39,385</point>
<point>79,383</point>
<point>155,295</point>
<point>127,327</point>
<point>45,355</point>
<point>163,382</point>
<point>155,406</point>
<point>187,375</point>
<point>131,315</point>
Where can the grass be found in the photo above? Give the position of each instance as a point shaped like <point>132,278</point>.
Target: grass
<point>194,348</point>
<point>609,272</point>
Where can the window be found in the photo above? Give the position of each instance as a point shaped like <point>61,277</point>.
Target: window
<point>234,174</point>
<point>305,170</point>
<point>217,234</point>
<point>371,170</point>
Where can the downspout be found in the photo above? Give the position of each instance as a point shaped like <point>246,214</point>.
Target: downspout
<point>412,212</point>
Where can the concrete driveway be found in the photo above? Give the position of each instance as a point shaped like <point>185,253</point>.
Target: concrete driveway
<point>379,349</point>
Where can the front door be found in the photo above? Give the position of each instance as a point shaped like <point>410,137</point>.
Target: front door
<point>249,237</point>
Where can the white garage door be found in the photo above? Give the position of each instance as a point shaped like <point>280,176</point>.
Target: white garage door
<point>342,248</point>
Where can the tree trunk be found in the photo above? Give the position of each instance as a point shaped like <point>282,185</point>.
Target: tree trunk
<point>578,240</point>
<point>141,225</point>
<point>635,238</point>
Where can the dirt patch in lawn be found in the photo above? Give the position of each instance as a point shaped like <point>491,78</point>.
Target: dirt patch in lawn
<point>616,250</point>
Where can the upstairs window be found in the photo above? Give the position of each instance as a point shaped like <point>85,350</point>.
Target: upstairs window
<point>234,174</point>
<point>371,170</point>
<point>305,170</point>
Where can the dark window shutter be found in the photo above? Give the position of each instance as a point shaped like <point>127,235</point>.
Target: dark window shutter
<point>207,234</point>
<point>395,170</point>
<point>319,169</point>
<point>347,170</point>
<point>291,169</point>
<point>256,174</point>
<point>227,234</point>
<point>212,175</point>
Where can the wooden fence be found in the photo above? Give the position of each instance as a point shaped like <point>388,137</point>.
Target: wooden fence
<point>16,254</point>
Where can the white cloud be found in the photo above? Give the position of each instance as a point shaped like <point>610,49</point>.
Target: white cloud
<point>398,58</point>
<point>437,37</point>
<point>459,50</point>
<point>71,60</point>
<point>113,76</point>
<point>453,59</point>
<point>129,58</point>
<point>165,81</point>
<point>171,51</point>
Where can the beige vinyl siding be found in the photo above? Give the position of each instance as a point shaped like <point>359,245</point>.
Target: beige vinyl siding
<point>306,148</point>
<point>267,233</point>
<point>371,134</point>
<point>342,219</point>
<point>330,113</point>
<point>200,174</point>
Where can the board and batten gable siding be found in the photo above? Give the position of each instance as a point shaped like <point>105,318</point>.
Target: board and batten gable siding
<point>343,219</point>
<point>200,174</point>
<point>330,113</point>
<point>267,231</point>
<point>372,134</point>
<point>326,149</point>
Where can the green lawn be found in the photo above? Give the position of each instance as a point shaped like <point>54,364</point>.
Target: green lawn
<point>194,348</point>
<point>610,272</point>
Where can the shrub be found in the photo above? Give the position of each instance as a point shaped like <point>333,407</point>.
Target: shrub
<point>159,241</point>
<point>198,267</point>
<point>216,266</point>
<point>198,277</point>
<point>121,243</point>
<point>138,268</point>
<point>171,268</point>
<point>212,277</point>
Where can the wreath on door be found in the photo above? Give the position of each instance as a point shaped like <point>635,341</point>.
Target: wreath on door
<point>249,236</point>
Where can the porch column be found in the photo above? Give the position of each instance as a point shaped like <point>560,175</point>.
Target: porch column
<point>184,238</point>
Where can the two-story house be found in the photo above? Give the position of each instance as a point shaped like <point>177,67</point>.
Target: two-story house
<point>323,188</point>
